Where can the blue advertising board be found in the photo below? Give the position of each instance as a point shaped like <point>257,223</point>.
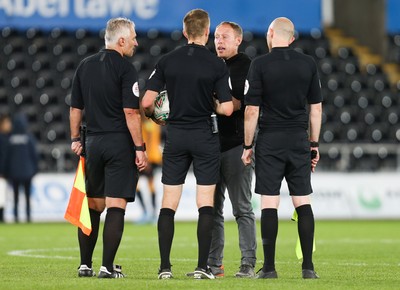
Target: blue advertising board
<point>392,16</point>
<point>164,15</point>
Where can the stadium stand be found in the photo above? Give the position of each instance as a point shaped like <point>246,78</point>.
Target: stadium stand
<point>360,131</point>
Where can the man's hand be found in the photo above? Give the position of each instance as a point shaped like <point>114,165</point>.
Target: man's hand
<point>314,158</point>
<point>141,160</point>
<point>76,147</point>
<point>247,156</point>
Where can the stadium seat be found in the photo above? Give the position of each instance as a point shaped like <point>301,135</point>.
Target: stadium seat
<point>41,61</point>
<point>387,99</point>
<point>38,45</point>
<point>55,133</point>
<point>14,44</point>
<point>20,78</point>
<point>45,79</point>
<point>68,61</point>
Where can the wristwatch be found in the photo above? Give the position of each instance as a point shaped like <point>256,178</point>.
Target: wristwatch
<point>76,139</point>
<point>314,144</point>
<point>247,146</point>
<point>141,148</point>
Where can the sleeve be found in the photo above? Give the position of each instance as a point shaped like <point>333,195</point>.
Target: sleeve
<point>156,80</point>
<point>76,91</point>
<point>314,94</point>
<point>221,86</point>
<point>253,86</point>
<point>130,87</point>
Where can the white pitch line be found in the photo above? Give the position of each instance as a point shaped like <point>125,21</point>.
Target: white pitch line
<point>33,253</point>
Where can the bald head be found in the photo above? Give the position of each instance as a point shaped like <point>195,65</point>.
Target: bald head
<point>280,32</point>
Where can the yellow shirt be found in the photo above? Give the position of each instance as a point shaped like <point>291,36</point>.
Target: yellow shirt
<point>152,137</point>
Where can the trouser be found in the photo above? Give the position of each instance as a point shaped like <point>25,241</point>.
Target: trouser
<point>27,191</point>
<point>236,178</point>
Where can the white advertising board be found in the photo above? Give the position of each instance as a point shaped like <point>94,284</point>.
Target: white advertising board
<point>336,196</point>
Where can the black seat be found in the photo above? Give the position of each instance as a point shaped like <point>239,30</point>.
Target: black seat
<point>67,61</point>
<point>38,45</point>
<point>387,99</point>
<point>41,61</point>
<point>45,78</point>
<point>89,45</point>
<point>14,44</point>
<point>56,133</point>
<point>20,78</point>
<point>17,61</point>
<point>64,44</point>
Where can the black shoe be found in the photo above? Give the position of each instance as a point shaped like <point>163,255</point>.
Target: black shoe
<point>309,274</point>
<point>116,273</point>
<point>85,271</point>
<point>266,275</point>
<point>165,274</point>
<point>246,271</point>
<point>200,273</point>
<point>217,271</point>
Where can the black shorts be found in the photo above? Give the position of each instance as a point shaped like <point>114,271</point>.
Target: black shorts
<point>281,155</point>
<point>184,146</point>
<point>110,166</point>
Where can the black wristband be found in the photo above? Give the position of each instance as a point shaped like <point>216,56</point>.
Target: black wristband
<point>141,148</point>
<point>247,146</point>
<point>76,139</point>
<point>314,144</point>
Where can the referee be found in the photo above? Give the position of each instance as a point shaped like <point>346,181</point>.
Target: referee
<point>105,87</point>
<point>191,74</point>
<point>285,85</point>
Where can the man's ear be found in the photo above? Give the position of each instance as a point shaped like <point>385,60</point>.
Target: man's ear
<point>239,40</point>
<point>185,34</point>
<point>121,41</point>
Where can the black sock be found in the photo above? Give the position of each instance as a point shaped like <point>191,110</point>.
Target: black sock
<point>153,201</point>
<point>166,230</point>
<point>87,243</point>
<point>140,197</point>
<point>269,232</point>
<point>204,234</point>
<point>305,226</point>
<point>112,234</point>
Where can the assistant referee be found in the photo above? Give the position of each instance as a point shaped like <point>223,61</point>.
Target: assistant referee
<point>105,86</point>
<point>285,85</point>
<point>191,74</point>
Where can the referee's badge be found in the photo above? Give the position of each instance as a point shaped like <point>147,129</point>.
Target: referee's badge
<point>135,89</point>
<point>246,87</point>
<point>152,74</point>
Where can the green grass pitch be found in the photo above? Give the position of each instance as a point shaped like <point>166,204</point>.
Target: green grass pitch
<point>349,255</point>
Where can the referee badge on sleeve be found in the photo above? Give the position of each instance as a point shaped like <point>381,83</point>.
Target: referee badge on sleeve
<point>152,74</point>
<point>246,87</point>
<point>135,89</point>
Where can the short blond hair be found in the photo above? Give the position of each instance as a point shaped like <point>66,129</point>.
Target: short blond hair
<point>116,28</point>
<point>236,27</point>
<point>195,22</point>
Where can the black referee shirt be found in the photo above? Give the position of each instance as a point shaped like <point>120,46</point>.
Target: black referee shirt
<point>103,85</point>
<point>283,82</point>
<point>231,129</point>
<point>192,75</point>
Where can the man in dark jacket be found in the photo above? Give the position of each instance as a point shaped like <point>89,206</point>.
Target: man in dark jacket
<point>21,162</point>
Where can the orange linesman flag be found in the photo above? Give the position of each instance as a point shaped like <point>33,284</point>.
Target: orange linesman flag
<point>77,212</point>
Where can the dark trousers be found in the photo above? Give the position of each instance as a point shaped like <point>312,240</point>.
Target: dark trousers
<point>27,191</point>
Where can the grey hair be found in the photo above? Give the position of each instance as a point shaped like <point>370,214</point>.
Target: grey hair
<point>116,28</point>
